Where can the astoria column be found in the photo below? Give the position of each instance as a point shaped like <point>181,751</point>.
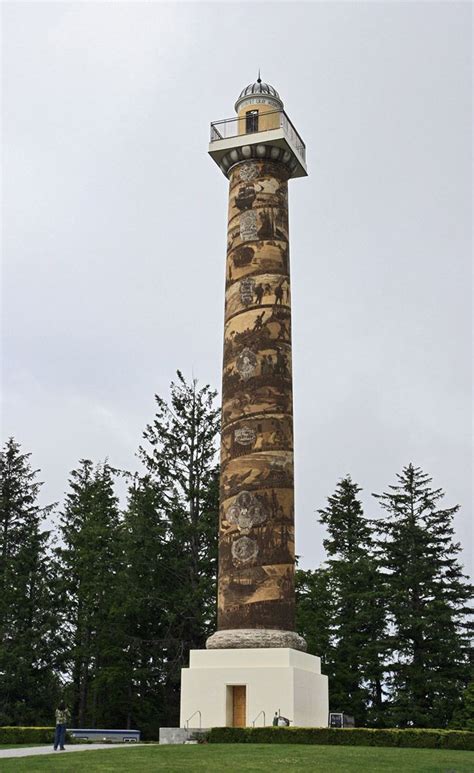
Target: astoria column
<point>258,151</point>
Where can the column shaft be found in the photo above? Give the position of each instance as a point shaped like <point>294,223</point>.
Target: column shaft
<point>256,534</point>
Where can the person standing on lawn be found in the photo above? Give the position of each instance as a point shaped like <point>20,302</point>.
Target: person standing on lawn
<point>62,716</point>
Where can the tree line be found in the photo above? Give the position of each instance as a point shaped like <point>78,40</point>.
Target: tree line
<point>102,608</point>
<point>388,611</point>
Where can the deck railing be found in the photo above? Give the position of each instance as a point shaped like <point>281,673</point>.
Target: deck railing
<point>255,125</point>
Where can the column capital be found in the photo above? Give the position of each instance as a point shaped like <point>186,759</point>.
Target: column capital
<point>258,152</point>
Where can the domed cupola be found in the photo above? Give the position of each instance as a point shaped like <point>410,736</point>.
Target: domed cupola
<point>259,93</point>
<point>261,130</point>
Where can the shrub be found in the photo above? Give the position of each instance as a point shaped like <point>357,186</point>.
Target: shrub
<point>30,735</point>
<point>201,736</point>
<point>422,738</point>
<point>358,736</point>
<point>457,739</point>
<point>383,737</point>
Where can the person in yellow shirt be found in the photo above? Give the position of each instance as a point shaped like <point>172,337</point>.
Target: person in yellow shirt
<point>62,716</point>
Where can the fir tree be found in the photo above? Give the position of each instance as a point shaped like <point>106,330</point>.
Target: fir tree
<point>314,606</point>
<point>463,715</point>
<point>147,586</point>
<point>173,575</point>
<point>90,562</point>
<point>355,657</point>
<point>427,595</point>
<point>28,685</point>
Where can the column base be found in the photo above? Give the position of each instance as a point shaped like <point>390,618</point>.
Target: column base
<point>268,680</point>
<point>251,638</point>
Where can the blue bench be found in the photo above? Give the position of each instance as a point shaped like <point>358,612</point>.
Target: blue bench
<point>104,735</point>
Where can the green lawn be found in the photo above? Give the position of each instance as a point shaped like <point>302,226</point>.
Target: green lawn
<point>249,758</point>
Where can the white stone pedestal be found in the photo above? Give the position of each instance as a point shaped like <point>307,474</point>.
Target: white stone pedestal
<point>276,679</point>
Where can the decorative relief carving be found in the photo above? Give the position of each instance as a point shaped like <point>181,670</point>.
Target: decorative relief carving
<point>248,172</point>
<point>245,512</point>
<point>281,464</point>
<point>262,469</point>
<point>247,289</point>
<point>244,550</point>
<point>246,364</point>
<point>245,436</point>
<point>248,225</point>
<point>245,196</point>
<point>243,256</point>
<point>268,289</point>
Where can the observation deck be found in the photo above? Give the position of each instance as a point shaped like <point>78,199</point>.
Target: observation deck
<point>266,135</point>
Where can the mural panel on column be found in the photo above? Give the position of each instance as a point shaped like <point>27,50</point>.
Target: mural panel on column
<point>256,548</point>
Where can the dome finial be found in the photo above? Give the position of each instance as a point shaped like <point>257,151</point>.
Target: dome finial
<point>259,80</point>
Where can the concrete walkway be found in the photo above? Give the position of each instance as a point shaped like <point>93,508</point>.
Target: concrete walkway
<point>86,747</point>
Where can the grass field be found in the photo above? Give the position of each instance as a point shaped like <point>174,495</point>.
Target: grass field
<point>248,758</point>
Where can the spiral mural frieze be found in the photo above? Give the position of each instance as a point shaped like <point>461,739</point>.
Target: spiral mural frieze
<point>256,548</point>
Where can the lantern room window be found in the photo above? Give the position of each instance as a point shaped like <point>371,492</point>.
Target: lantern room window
<point>251,121</point>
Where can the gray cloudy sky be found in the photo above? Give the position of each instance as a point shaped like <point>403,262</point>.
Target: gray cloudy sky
<point>115,230</point>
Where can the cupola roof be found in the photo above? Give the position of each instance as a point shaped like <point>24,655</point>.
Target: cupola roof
<point>256,89</point>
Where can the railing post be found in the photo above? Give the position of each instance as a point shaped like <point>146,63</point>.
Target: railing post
<point>264,718</point>
<point>187,721</point>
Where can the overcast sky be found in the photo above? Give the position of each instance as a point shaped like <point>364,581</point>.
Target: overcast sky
<point>115,230</point>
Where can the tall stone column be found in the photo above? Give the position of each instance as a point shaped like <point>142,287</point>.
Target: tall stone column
<point>256,606</point>
<point>251,666</point>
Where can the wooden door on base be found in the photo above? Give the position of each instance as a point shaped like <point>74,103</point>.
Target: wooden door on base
<point>239,699</point>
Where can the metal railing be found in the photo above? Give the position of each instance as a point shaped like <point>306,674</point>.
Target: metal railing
<point>274,119</point>
<point>186,724</point>
<point>260,712</point>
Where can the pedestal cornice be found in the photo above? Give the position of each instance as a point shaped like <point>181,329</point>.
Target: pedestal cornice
<point>255,638</point>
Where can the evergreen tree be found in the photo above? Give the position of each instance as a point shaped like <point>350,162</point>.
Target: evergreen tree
<point>427,595</point>
<point>463,715</point>
<point>90,561</point>
<point>355,658</point>
<point>171,548</point>
<point>28,685</point>
<point>314,606</point>
<point>147,587</point>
